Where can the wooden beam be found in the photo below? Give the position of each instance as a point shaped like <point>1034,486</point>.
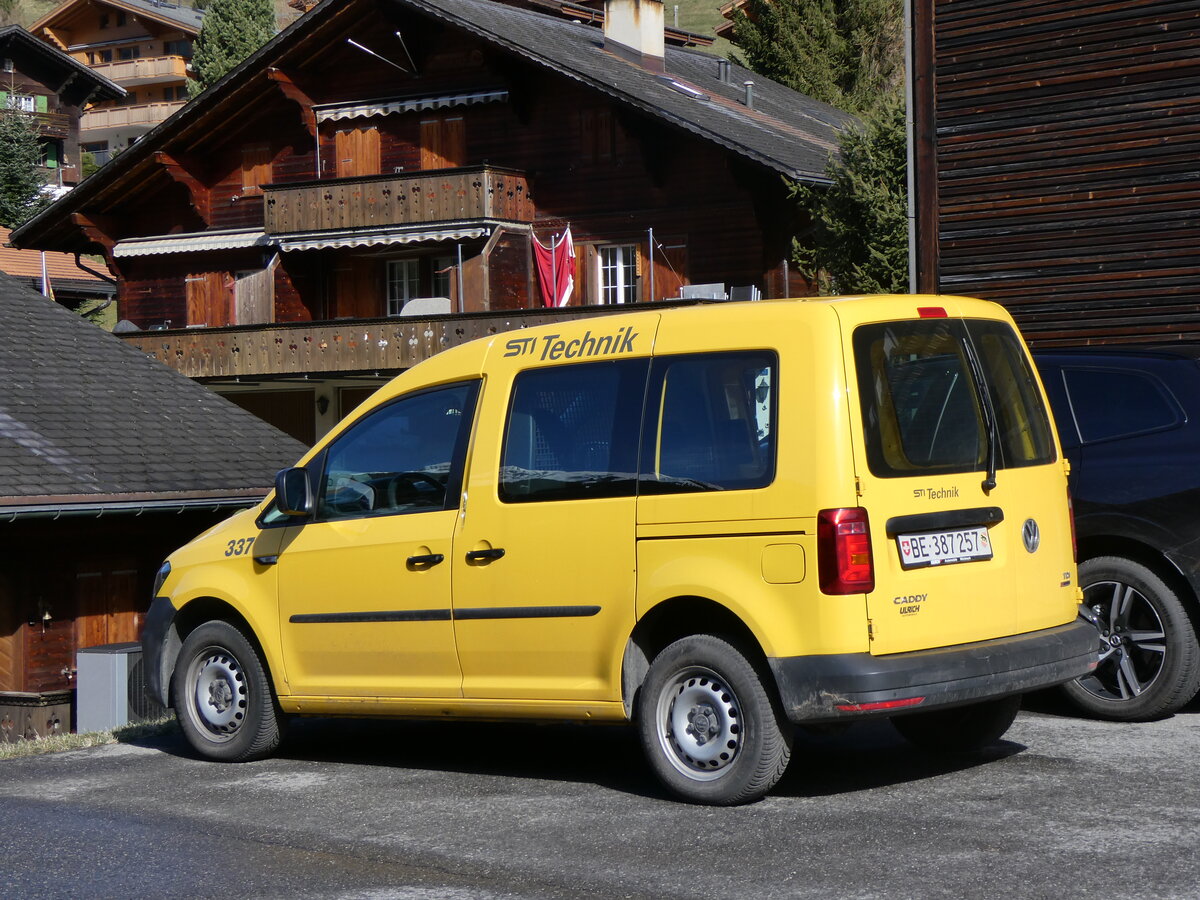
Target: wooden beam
<point>198,190</point>
<point>293,92</point>
<point>98,230</point>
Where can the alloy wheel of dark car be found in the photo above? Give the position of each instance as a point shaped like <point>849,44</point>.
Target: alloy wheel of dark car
<point>1149,661</point>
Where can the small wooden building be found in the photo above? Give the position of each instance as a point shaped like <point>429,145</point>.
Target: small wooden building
<point>294,228</point>
<point>108,462</point>
<point>1056,152</point>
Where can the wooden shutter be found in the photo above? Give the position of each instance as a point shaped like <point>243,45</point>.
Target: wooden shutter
<point>443,142</point>
<point>256,167</point>
<point>357,151</point>
<point>209,298</point>
<point>670,270</point>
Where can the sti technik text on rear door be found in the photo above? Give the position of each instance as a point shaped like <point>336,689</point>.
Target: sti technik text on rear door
<point>958,449</point>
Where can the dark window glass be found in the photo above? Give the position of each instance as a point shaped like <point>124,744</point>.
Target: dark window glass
<point>1110,404</point>
<point>711,423</point>
<point>572,432</point>
<point>405,457</point>
<point>922,409</point>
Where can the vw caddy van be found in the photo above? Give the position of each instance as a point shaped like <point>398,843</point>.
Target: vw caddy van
<point>717,522</point>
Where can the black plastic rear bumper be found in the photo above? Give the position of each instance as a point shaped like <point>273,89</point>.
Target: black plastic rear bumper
<point>852,685</point>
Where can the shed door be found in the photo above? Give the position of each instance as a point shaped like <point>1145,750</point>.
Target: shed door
<point>443,143</point>
<point>357,151</point>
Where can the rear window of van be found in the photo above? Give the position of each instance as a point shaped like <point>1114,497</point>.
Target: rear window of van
<point>923,402</point>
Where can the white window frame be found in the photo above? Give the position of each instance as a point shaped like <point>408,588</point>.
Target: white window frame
<point>23,102</point>
<point>616,273</point>
<point>403,283</point>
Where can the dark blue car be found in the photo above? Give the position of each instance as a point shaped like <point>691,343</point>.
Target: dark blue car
<point>1129,420</point>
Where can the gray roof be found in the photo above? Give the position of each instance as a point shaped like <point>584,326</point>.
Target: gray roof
<point>85,416</point>
<point>187,16</point>
<point>786,130</point>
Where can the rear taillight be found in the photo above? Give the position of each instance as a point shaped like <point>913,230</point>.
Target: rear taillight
<point>844,551</point>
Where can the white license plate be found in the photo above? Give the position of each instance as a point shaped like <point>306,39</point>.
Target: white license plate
<point>940,548</point>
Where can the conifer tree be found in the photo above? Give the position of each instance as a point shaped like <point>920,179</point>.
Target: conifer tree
<point>849,54</point>
<point>22,187</point>
<point>231,31</point>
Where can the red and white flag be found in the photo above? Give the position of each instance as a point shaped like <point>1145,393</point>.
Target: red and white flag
<point>556,268</point>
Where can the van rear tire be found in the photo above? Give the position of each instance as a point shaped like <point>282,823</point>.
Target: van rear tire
<point>711,730</point>
<point>223,697</point>
<point>960,729</point>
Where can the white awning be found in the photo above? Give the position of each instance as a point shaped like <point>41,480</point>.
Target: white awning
<point>191,243</point>
<point>336,111</point>
<point>333,239</point>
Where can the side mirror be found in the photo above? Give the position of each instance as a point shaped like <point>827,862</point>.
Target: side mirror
<point>292,495</point>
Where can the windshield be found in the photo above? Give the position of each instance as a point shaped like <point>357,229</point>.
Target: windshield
<point>922,409</point>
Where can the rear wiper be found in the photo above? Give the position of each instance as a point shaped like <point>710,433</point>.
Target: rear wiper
<point>989,413</point>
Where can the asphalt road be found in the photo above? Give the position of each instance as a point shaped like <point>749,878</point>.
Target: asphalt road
<point>1063,808</point>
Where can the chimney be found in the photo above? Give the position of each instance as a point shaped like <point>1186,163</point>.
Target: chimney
<point>634,29</point>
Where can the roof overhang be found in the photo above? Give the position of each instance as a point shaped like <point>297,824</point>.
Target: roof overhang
<point>97,505</point>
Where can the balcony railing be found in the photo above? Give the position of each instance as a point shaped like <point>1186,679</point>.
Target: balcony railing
<point>359,345</point>
<point>445,195</point>
<point>148,114</point>
<point>144,71</point>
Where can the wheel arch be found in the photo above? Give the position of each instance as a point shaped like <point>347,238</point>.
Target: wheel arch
<point>191,616</point>
<point>678,617</point>
<point>1161,564</point>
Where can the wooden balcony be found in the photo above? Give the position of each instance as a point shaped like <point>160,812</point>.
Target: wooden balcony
<point>150,70</point>
<point>139,114</point>
<point>444,195</point>
<point>352,345</point>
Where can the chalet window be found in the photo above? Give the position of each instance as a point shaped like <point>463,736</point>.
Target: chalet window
<point>106,56</point>
<point>618,273</point>
<point>177,48</point>
<point>120,19</point>
<point>256,167</point>
<point>23,102</point>
<point>601,138</point>
<point>104,20</point>
<point>172,94</point>
<point>443,142</point>
<point>357,152</point>
<point>403,283</point>
<point>443,271</point>
<point>129,52</point>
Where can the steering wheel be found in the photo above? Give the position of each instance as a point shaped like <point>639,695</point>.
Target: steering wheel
<point>409,482</point>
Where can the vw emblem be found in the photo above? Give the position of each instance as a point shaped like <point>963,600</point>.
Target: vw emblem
<point>1031,535</point>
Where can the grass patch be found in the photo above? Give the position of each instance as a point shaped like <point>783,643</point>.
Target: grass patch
<point>58,743</point>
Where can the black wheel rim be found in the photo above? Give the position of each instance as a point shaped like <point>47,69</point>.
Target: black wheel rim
<point>1133,641</point>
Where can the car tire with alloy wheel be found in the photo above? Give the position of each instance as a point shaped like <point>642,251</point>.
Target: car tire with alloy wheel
<point>1149,662</point>
<point>223,697</point>
<point>960,729</point>
<point>710,726</point>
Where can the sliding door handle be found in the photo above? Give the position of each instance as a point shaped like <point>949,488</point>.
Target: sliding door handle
<point>479,555</point>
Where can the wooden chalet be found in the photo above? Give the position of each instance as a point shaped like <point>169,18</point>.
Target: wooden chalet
<point>368,188</point>
<point>1056,148</point>
<point>108,462</point>
<point>142,45</point>
<point>53,88</point>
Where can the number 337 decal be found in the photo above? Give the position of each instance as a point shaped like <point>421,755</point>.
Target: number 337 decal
<point>239,547</point>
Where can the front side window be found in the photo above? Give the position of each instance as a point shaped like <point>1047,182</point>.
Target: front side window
<point>572,432</point>
<point>710,423</point>
<point>405,457</point>
<point>923,407</point>
<point>403,283</point>
<point>618,273</point>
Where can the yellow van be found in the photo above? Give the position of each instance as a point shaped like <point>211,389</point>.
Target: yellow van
<point>715,521</point>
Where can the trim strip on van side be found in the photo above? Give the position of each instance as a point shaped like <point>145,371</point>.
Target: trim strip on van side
<point>444,615</point>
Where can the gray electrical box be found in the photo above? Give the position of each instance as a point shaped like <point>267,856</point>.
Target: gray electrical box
<point>110,688</point>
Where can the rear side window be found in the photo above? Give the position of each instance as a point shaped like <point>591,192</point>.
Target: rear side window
<point>1110,404</point>
<point>710,423</point>
<point>573,432</point>
<point>923,407</point>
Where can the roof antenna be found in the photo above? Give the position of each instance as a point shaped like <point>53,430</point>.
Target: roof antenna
<point>403,46</point>
<point>369,51</point>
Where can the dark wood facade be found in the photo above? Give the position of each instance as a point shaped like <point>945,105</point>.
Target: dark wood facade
<point>1056,149</point>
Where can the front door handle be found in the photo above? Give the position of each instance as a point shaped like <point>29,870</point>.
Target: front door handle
<point>492,553</point>
<point>426,559</point>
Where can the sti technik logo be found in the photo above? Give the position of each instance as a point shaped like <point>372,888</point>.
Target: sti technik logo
<point>950,493</point>
<point>552,346</point>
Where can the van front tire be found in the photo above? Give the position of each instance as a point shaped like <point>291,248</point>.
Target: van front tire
<point>222,696</point>
<point>712,731</point>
